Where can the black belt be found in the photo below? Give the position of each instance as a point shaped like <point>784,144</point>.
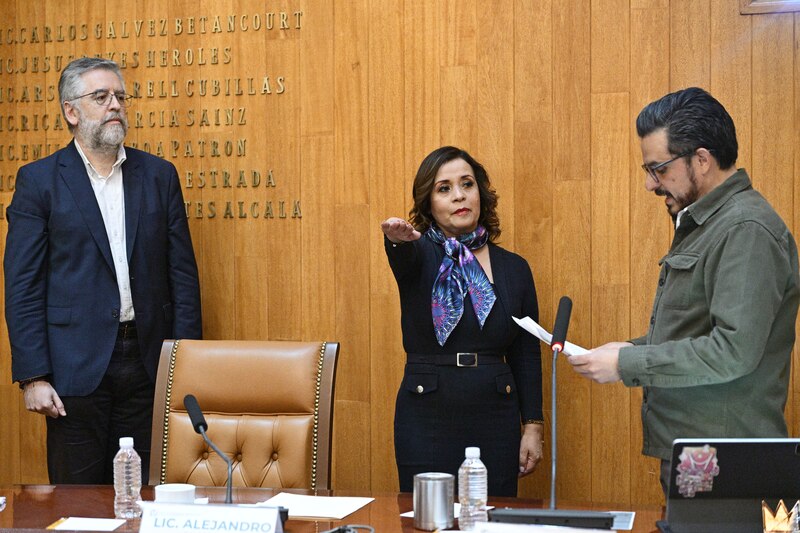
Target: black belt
<point>467,359</point>
<point>127,330</point>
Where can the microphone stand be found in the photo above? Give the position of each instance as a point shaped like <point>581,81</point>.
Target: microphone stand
<point>553,425</point>
<point>228,498</point>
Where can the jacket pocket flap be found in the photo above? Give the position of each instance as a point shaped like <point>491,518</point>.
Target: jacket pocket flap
<point>505,384</point>
<point>682,261</point>
<point>421,383</point>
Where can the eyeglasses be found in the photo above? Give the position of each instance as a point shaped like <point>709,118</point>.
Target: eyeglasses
<point>102,97</point>
<point>652,170</point>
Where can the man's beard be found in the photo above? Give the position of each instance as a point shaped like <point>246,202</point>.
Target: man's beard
<point>100,137</point>
<point>682,201</point>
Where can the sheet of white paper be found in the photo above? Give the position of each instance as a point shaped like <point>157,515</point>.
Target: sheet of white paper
<point>90,524</point>
<point>336,507</point>
<point>530,325</point>
<point>623,520</point>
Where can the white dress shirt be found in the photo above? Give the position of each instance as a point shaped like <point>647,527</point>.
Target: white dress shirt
<point>111,200</point>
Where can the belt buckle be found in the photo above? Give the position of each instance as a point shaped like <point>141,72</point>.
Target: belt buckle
<point>470,363</point>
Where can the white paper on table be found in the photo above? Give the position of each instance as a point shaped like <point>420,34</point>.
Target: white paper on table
<point>530,325</point>
<point>88,524</point>
<point>623,520</point>
<point>300,506</point>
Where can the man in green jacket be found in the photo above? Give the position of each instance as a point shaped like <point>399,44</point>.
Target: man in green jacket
<point>715,361</point>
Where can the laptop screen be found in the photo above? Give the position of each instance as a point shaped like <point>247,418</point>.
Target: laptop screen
<point>718,484</point>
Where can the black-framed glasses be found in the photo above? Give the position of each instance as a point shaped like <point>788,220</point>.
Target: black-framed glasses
<point>652,170</point>
<point>102,97</point>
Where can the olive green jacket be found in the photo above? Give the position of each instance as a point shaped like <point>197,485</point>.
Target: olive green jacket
<point>716,359</point>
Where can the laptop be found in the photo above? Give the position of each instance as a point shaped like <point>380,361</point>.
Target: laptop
<point>717,485</point>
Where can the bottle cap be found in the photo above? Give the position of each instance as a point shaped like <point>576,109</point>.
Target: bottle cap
<point>472,452</point>
<point>126,442</point>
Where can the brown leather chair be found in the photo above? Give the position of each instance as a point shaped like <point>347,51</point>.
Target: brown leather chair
<point>268,405</point>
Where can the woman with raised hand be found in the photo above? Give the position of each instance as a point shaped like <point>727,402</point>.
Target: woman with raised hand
<point>472,376</point>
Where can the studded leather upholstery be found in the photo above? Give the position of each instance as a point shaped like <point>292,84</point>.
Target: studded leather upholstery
<point>268,405</point>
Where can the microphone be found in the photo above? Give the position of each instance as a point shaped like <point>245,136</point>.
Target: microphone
<point>200,426</point>
<point>562,324</point>
<point>195,414</point>
<point>553,516</point>
<point>557,344</point>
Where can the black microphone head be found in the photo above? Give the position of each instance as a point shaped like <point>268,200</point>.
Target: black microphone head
<point>562,323</point>
<point>195,414</point>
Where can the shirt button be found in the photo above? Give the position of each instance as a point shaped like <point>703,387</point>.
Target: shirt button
<point>115,313</point>
<point>635,381</point>
<point>420,389</point>
<point>652,320</point>
<point>661,282</point>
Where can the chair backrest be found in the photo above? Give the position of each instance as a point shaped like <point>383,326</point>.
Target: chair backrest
<point>268,405</point>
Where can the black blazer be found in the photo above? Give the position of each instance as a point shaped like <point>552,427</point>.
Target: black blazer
<point>62,300</point>
<point>415,266</point>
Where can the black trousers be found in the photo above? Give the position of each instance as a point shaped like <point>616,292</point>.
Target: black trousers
<point>81,446</point>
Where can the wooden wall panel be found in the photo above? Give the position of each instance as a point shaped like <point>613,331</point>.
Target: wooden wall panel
<point>352,225</point>
<point>545,93</point>
<point>731,67</point>
<point>610,45</point>
<point>649,223</point>
<point>773,89</point>
<point>773,160</point>
<point>533,170</point>
<point>422,56</point>
<point>689,43</point>
<point>572,239</point>
<point>494,144</point>
<point>610,290</point>
<point>9,432</point>
<point>386,168</point>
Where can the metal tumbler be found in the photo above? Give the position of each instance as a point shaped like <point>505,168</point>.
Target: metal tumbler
<point>433,500</point>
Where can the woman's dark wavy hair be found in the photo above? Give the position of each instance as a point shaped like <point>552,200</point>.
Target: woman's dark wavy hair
<point>420,215</point>
<point>692,119</point>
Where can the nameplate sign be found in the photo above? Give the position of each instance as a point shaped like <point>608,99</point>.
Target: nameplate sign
<point>200,518</point>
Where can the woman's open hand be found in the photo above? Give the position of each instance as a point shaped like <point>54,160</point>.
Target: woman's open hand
<point>398,230</point>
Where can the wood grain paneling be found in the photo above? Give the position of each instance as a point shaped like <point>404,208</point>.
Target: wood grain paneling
<point>386,170</point>
<point>610,45</point>
<point>610,290</point>
<point>689,57</point>
<point>533,169</point>
<point>543,92</point>
<point>650,227</point>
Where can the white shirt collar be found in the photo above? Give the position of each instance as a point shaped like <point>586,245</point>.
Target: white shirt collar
<point>678,217</point>
<point>121,157</point>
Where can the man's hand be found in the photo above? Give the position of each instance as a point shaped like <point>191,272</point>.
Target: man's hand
<point>600,364</point>
<point>41,397</point>
<point>530,448</point>
<point>398,230</point>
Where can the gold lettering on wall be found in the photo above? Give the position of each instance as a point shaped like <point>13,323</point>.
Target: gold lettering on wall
<point>191,120</point>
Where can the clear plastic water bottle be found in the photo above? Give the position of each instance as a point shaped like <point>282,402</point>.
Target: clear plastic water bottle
<point>472,490</point>
<point>127,480</point>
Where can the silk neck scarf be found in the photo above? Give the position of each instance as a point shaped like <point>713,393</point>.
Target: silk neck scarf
<point>459,274</point>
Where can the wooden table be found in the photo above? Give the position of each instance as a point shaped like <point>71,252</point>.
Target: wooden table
<point>34,507</point>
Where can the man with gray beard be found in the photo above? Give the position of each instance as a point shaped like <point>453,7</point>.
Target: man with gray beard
<point>99,270</point>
